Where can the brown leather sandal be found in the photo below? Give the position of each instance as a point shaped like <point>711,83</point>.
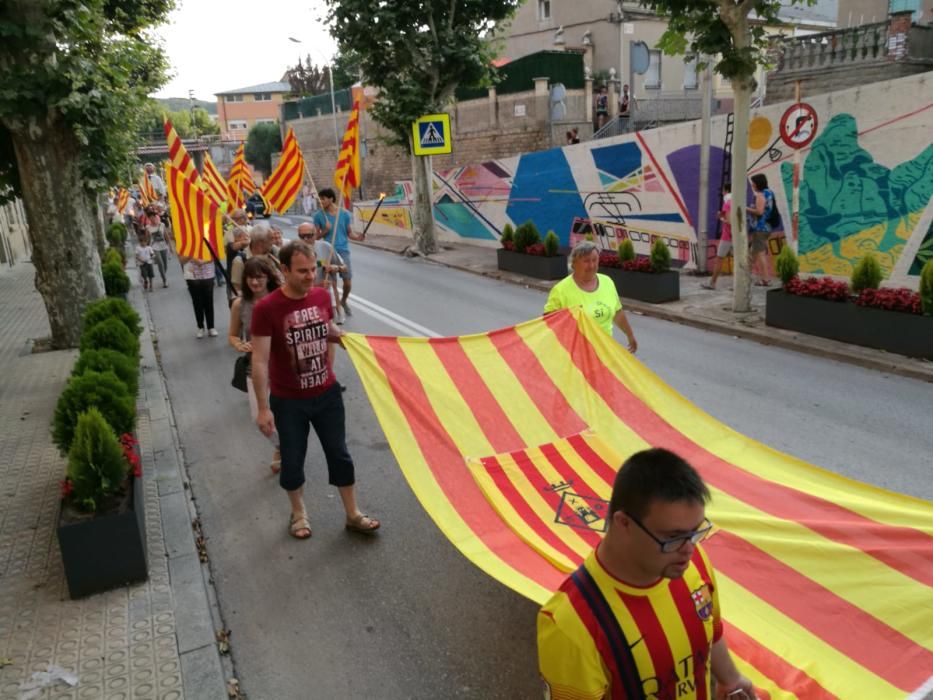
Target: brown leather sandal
<point>363,524</point>
<point>298,523</point>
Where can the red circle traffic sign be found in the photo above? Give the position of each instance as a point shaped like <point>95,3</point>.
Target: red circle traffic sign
<point>798,125</point>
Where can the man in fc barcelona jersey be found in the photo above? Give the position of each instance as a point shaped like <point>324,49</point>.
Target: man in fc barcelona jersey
<point>640,618</point>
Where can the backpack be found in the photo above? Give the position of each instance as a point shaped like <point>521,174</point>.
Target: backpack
<point>774,216</point>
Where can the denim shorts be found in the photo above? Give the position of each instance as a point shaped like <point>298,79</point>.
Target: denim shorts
<point>293,418</point>
<point>348,273</point>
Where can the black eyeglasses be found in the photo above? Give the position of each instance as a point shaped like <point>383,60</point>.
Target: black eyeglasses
<point>305,235</point>
<point>675,543</point>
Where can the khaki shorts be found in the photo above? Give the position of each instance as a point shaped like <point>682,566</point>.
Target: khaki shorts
<point>723,249</point>
<point>759,243</point>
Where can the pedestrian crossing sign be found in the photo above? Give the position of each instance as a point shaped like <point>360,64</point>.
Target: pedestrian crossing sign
<point>431,135</point>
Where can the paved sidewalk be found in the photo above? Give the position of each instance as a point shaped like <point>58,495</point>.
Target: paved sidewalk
<point>153,640</point>
<point>709,310</point>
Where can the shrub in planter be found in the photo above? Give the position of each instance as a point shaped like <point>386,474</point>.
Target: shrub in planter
<point>102,309</point>
<point>867,274</point>
<point>526,235</point>
<point>551,244</point>
<point>116,234</point>
<point>926,288</point>
<point>507,239</point>
<point>110,333</point>
<point>626,250</point>
<point>112,255</point>
<point>786,264</point>
<point>116,283</point>
<point>97,466</point>
<point>100,390</point>
<point>105,359</point>
<point>903,299</point>
<point>660,256</point>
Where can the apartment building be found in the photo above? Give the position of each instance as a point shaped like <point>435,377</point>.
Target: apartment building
<point>238,110</point>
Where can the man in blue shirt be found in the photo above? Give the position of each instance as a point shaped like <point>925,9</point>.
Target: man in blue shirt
<point>326,219</point>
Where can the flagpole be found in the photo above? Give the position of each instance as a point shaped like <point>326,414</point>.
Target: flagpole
<point>333,234</point>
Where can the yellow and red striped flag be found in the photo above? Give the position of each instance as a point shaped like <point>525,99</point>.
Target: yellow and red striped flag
<point>123,198</point>
<point>347,172</point>
<point>511,440</point>
<point>213,181</point>
<point>147,193</point>
<point>284,183</point>
<point>195,217</point>
<point>240,178</point>
<point>178,154</point>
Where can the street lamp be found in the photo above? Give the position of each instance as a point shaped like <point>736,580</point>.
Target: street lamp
<point>333,103</point>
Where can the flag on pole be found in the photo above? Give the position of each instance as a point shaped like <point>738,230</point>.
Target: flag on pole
<point>195,217</point>
<point>347,172</point>
<point>284,183</point>
<point>511,440</point>
<point>178,154</point>
<point>147,193</point>
<point>241,179</point>
<point>123,198</point>
<point>213,181</point>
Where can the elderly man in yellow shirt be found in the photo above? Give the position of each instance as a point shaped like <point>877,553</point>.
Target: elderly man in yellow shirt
<point>596,293</point>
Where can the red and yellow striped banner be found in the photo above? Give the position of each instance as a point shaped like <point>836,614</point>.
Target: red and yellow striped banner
<point>241,178</point>
<point>178,154</point>
<point>195,217</point>
<point>123,199</point>
<point>284,183</point>
<point>147,193</point>
<point>347,171</point>
<point>510,440</point>
<point>213,181</point>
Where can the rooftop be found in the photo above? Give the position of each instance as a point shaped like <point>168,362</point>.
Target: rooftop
<point>262,87</point>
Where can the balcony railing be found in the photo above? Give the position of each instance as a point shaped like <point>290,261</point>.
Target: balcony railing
<point>863,44</point>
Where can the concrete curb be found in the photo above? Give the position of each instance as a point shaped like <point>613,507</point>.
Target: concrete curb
<point>786,340</point>
<point>204,671</point>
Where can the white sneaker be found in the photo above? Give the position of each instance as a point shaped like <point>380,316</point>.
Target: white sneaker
<point>200,333</point>
<point>339,317</point>
<point>346,309</point>
<point>212,333</point>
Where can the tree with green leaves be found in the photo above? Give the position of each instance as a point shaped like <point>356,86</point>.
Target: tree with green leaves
<point>417,53</point>
<point>720,31</point>
<point>264,139</point>
<point>75,75</point>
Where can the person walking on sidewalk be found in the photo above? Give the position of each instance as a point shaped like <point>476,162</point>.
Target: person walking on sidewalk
<point>144,257</point>
<point>594,292</point>
<point>641,616</point>
<point>326,219</point>
<point>759,212</point>
<point>725,240</point>
<point>155,230</point>
<point>199,276</point>
<point>258,281</point>
<point>296,388</point>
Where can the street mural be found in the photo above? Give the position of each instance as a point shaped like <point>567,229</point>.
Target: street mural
<point>866,181</point>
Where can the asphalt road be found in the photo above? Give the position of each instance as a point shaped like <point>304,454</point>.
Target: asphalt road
<point>404,615</point>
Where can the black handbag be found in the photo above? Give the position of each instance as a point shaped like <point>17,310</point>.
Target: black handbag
<point>240,372</point>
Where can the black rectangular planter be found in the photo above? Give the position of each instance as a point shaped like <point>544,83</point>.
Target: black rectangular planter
<point>894,331</point>
<point>653,287</point>
<point>105,551</point>
<point>538,266</point>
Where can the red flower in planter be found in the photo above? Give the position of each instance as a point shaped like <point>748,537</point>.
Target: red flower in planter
<point>129,444</point>
<point>66,488</point>
<point>508,245</point>
<point>535,249</point>
<point>638,265</point>
<point>901,299</point>
<point>608,258</point>
<point>819,287</point>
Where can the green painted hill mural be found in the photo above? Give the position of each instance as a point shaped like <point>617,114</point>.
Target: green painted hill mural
<point>850,205</point>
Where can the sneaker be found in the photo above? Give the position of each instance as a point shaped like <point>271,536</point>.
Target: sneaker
<point>200,333</point>
<point>346,309</point>
<point>339,317</point>
<point>212,333</point>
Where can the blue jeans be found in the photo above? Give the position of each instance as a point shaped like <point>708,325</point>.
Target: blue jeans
<point>325,414</point>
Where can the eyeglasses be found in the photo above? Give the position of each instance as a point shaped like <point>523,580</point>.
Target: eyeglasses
<point>305,236</point>
<point>675,543</point>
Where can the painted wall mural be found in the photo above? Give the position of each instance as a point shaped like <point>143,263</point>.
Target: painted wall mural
<point>866,183</point>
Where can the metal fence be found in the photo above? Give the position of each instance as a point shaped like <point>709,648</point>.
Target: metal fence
<point>651,113</point>
<point>317,105</point>
<point>564,67</point>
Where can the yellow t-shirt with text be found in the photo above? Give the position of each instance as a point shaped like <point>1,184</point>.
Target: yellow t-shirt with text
<point>602,304</point>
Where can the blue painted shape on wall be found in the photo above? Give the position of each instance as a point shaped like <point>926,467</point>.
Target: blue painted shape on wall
<point>537,174</point>
<point>607,180</point>
<point>674,217</point>
<point>461,220</point>
<point>620,160</point>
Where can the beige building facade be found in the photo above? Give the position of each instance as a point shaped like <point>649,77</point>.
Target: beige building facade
<point>239,110</point>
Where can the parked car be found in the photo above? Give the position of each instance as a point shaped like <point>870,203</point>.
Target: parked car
<point>256,207</point>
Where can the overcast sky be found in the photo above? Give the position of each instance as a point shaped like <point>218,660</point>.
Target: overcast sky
<point>213,47</point>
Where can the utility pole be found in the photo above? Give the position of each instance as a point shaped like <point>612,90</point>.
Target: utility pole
<point>703,209</point>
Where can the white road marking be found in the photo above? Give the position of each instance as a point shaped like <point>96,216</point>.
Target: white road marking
<point>390,318</point>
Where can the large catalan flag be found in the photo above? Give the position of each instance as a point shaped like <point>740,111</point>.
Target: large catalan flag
<point>123,198</point>
<point>213,181</point>
<point>195,217</point>
<point>347,172</point>
<point>178,154</point>
<point>284,183</point>
<point>510,439</point>
<point>147,193</point>
<point>241,178</point>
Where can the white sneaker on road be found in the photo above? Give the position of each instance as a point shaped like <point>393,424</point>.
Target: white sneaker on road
<point>212,333</point>
<point>200,333</point>
<point>339,317</point>
<point>346,309</point>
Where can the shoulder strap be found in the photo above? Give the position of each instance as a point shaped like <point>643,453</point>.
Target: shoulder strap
<point>622,659</point>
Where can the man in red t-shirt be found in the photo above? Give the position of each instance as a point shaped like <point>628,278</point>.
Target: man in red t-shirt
<point>291,328</point>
